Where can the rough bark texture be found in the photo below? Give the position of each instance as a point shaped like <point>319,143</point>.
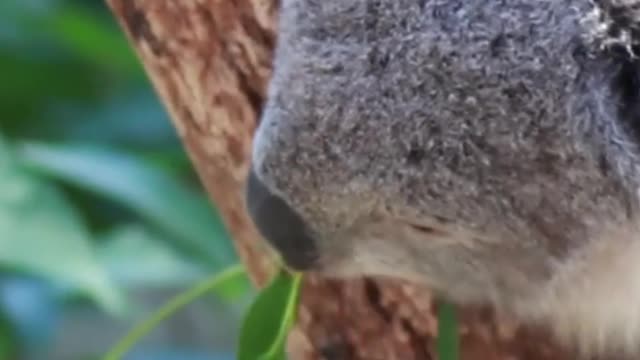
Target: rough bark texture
<point>210,62</point>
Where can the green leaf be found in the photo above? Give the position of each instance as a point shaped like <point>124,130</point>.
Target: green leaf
<point>88,34</point>
<point>42,234</point>
<point>91,37</point>
<point>135,256</point>
<point>181,300</point>
<point>81,51</point>
<point>447,343</point>
<point>134,118</point>
<point>9,346</point>
<point>23,98</point>
<point>267,323</point>
<point>185,215</point>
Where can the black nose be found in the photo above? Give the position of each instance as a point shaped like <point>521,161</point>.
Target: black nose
<point>280,225</point>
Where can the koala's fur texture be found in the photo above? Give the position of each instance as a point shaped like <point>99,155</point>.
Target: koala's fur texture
<point>486,148</point>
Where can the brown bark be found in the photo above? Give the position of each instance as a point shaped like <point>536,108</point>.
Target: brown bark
<point>210,62</point>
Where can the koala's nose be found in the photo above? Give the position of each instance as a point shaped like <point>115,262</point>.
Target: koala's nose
<point>280,225</point>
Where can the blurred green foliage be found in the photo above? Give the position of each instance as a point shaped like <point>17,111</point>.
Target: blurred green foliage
<point>96,193</point>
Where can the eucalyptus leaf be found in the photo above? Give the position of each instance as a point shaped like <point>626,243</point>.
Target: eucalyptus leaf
<point>185,215</point>
<point>41,233</point>
<point>267,323</point>
<point>91,37</point>
<point>136,256</point>
<point>8,338</point>
<point>112,122</point>
<point>87,34</point>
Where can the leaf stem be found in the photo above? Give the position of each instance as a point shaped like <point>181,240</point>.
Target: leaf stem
<point>173,305</point>
<point>447,342</point>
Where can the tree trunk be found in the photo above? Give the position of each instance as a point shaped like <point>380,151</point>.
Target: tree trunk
<point>210,62</point>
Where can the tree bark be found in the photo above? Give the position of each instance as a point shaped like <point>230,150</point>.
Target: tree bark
<point>210,62</point>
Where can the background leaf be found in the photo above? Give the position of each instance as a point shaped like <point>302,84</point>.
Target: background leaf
<point>8,339</point>
<point>160,199</point>
<point>135,256</point>
<point>135,214</point>
<point>42,234</point>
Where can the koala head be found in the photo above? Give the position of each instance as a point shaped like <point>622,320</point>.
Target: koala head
<point>487,149</point>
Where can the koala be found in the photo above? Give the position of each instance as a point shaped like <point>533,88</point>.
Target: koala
<point>487,149</point>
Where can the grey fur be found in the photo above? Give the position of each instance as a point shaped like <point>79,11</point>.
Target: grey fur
<point>482,147</point>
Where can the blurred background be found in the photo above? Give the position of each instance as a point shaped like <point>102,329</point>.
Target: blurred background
<point>102,218</point>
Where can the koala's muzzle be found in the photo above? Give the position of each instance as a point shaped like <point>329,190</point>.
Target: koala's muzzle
<point>280,225</point>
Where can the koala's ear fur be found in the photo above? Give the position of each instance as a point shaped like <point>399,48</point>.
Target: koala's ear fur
<point>615,35</point>
<point>616,23</point>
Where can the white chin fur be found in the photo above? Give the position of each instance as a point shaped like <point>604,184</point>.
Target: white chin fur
<point>594,303</point>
